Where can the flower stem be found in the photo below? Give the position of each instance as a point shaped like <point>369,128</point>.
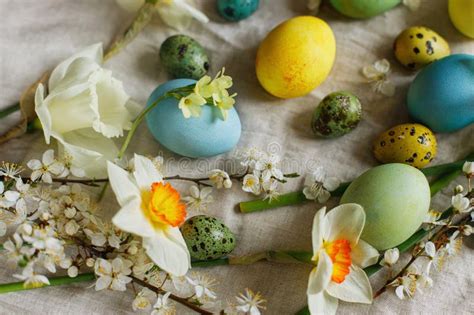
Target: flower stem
<point>9,110</point>
<point>448,173</point>
<point>138,121</point>
<point>18,286</point>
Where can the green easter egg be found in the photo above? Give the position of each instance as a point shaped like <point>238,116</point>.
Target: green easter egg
<point>337,114</point>
<point>207,238</point>
<point>395,197</point>
<point>183,57</point>
<point>363,9</point>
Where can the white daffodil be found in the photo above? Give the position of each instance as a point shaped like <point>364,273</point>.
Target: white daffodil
<point>340,256</point>
<point>85,107</point>
<point>220,179</point>
<point>143,300</point>
<point>113,275</point>
<point>268,167</point>
<point>153,210</point>
<point>250,302</point>
<point>251,183</point>
<point>378,74</point>
<point>390,257</point>
<point>175,13</point>
<point>468,168</point>
<point>318,186</point>
<point>461,204</point>
<point>198,200</point>
<point>163,305</point>
<point>45,168</point>
<point>202,286</point>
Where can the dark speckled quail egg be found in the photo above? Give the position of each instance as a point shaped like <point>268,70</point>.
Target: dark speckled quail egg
<point>207,238</point>
<point>183,57</point>
<point>418,46</point>
<point>337,114</point>
<point>412,144</point>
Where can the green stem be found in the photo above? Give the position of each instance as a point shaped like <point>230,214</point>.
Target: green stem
<point>138,121</point>
<point>448,173</point>
<point>19,286</point>
<point>9,110</point>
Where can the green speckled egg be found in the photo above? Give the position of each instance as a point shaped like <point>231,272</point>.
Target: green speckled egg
<point>236,10</point>
<point>183,57</point>
<point>418,46</point>
<point>207,238</point>
<point>412,144</point>
<point>337,114</point>
<point>395,198</point>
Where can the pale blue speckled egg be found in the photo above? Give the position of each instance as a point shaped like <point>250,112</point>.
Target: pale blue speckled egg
<point>442,94</point>
<point>196,137</point>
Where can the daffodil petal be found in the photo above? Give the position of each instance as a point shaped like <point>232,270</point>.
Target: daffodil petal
<point>364,255</point>
<point>318,230</point>
<point>131,218</point>
<point>321,275</point>
<point>344,222</point>
<point>355,288</point>
<point>145,172</point>
<point>322,304</point>
<point>168,250</point>
<point>124,189</point>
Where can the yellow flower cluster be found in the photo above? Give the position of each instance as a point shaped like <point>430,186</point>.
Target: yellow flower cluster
<point>212,91</point>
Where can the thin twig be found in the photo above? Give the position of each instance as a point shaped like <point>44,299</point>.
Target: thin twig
<point>176,298</point>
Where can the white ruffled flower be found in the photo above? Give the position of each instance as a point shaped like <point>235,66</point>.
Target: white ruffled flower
<point>220,179</point>
<point>250,302</point>
<point>251,183</point>
<point>202,286</point>
<point>271,189</point>
<point>16,250</point>
<point>378,74</point>
<point>390,257</point>
<point>10,170</point>
<point>340,255</point>
<point>153,210</point>
<point>44,239</point>
<point>461,204</point>
<point>31,279</point>
<point>163,305</point>
<point>250,157</point>
<point>468,168</point>
<point>143,300</point>
<point>268,167</point>
<point>318,186</point>
<point>113,275</point>
<point>198,200</point>
<point>175,13</point>
<point>45,168</point>
<point>85,107</point>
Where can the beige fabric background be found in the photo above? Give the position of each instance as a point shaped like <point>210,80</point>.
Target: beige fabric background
<point>36,35</point>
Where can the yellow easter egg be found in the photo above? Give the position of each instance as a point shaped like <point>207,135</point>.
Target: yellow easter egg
<point>418,46</point>
<point>412,144</point>
<point>296,57</point>
<point>461,13</point>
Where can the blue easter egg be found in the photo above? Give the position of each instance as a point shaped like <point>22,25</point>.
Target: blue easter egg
<point>442,94</point>
<point>236,10</point>
<point>203,136</point>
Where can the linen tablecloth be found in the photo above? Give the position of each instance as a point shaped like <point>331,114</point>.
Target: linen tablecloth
<point>37,35</point>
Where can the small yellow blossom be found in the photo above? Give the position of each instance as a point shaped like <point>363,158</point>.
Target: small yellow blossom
<point>191,105</point>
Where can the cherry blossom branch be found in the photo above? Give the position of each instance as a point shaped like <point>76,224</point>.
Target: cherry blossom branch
<point>176,298</point>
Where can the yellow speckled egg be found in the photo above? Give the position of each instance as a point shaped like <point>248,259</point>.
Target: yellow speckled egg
<point>418,46</point>
<point>461,13</point>
<point>296,57</point>
<point>412,144</point>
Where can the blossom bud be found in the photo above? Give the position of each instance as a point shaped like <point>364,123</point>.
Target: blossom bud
<point>65,263</point>
<point>132,250</point>
<point>72,271</point>
<point>458,189</point>
<point>70,212</point>
<point>466,230</point>
<point>227,183</point>
<point>390,257</point>
<point>90,262</point>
